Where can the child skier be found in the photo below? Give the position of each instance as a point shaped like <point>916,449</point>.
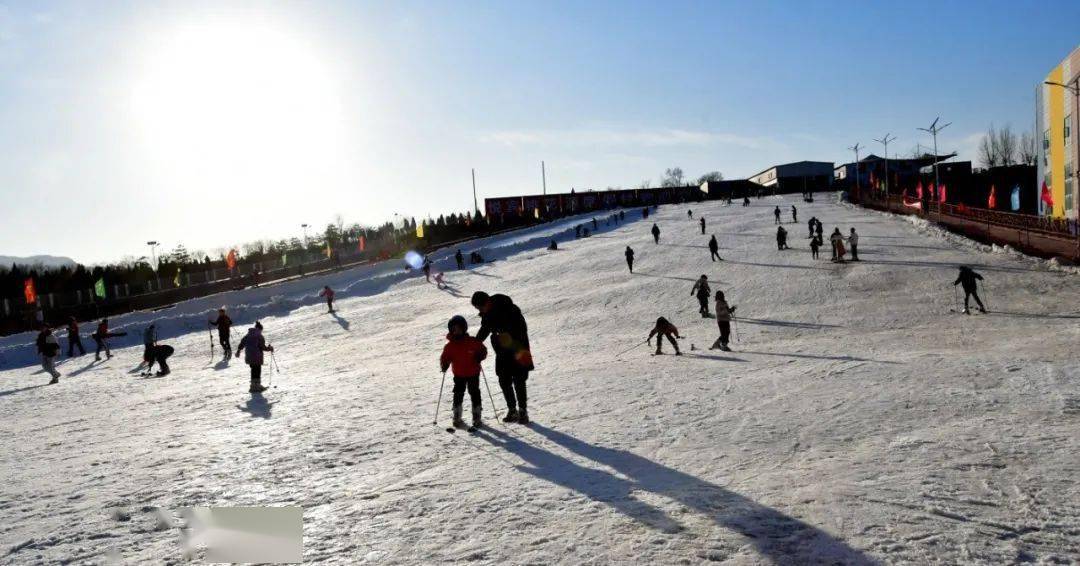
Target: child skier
<point>776,213</point>
<point>224,328</point>
<point>253,345</point>
<point>149,341</point>
<point>781,238</point>
<point>48,347</point>
<point>967,279</point>
<point>714,249</point>
<point>701,221</point>
<point>663,329</point>
<point>723,320</point>
<point>656,233</point>
<point>815,244</point>
<point>101,339</point>
<point>463,354</point>
<point>629,253</point>
<point>701,288</point>
<point>74,341</point>
<point>329,294</point>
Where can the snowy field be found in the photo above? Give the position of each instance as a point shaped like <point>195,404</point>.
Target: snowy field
<point>857,420</point>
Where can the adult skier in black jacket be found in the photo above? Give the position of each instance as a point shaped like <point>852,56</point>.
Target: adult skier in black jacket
<point>629,253</point>
<point>502,320</point>
<point>714,248</point>
<point>967,279</point>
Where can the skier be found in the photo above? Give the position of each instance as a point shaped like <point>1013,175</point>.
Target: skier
<point>746,200</point>
<point>253,345</point>
<point>664,329</point>
<point>101,339</point>
<point>160,354</point>
<point>594,224</point>
<point>690,214</point>
<point>794,215</point>
<point>463,354</point>
<point>74,341</point>
<point>781,238</point>
<point>553,245</point>
<point>329,294</point>
<point>48,347</point>
<point>837,241</point>
<point>149,341</point>
<point>502,320</point>
<point>810,226</point>
<point>426,267</point>
<point>629,253</point>
<point>967,279</point>
<point>853,241</point>
<point>701,288</point>
<point>439,283</point>
<point>723,320</point>
<point>776,213</point>
<point>460,259</point>
<point>702,222</point>
<point>656,233</point>
<point>817,230</point>
<point>815,244</point>
<point>714,248</point>
<point>224,326</point>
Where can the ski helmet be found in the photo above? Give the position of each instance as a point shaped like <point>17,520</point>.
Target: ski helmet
<point>457,320</point>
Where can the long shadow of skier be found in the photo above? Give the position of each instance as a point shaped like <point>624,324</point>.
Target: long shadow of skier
<point>690,279</point>
<point>780,538</point>
<point>83,369</point>
<point>21,389</point>
<point>337,318</point>
<point>257,406</point>
<point>789,324</point>
<point>819,357</point>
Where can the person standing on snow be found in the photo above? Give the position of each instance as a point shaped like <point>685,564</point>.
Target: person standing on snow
<point>746,201</point>
<point>74,341</point>
<point>701,288</point>
<point>48,348</point>
<point>101,340</point>
<point>426,268</point>
<point>776,213</point>
<point>253,345</point>
<point>224,326</point>
<point>815,244</point>
<point>781,238</point>
<point>853,241</point>
<point>690,214</point>
<point>664,329</point>
<point>701,221</point>
<point>656,233</point>
<point>810,226</point>
<point>818,230</point>
<point>629,253</point>
<point>460,259</point>
<point>714,249</point>
<point>837,241</point>
<point>968,280</point>
<point>794,215</point>
<point>463,354</point>
<point>723,320</point>
<point>329,294</point>
<point>501,319</point>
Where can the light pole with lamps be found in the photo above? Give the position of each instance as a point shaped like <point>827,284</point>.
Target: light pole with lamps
<point>885,141</point>
<point>858,189</point>
<point>934,129</point>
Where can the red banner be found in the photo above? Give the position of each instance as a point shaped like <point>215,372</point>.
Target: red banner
<point>28,290</point>
<point>363,243</point>
<point>230,260</point>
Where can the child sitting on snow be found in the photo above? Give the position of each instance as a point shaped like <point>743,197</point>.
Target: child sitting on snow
<point>463,353</point>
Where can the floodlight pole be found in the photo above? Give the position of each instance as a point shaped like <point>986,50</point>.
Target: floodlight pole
<point>858,189</point>
<point>934,129</point>
<point>885,141</point>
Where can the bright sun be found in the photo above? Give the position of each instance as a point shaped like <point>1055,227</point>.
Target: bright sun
<point>234,105</point>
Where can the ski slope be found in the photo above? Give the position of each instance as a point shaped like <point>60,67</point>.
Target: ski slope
<point>857,420</point>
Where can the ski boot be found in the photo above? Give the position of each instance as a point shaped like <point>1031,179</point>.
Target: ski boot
<point>54,380</point>
<point>256,387</point>
<point>458,422</point>
<point>523,416</point>
<point>966,311</point>
<point>162,373</point>
<point>982,310</point>
<point>511,416</point>
<point>476,421</point>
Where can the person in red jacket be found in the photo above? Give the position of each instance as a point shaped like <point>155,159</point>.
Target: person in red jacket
<point>664,328</point>
<point>329,294</point>
<point>463,354</point>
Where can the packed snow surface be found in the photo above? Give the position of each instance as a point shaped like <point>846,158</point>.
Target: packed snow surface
<point>858,420</point>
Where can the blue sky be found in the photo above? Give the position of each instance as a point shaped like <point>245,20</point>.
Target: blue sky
<point>218,123</point>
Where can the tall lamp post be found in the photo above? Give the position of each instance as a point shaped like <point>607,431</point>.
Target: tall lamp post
<point>934,129</point>
<point>153,252</point>
<point>885,141</point>
<point>858,189</point>
<point>1074,88</point>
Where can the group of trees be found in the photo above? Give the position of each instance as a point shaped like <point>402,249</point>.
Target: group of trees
<point>674,177</point>
<point>1001,147</point>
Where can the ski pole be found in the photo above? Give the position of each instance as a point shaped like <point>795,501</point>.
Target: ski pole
<point>490,398</point>
<point>439,402</point>
<point>630,348</point>
<point>955,299</point>
<point>273,359</point>
<point>735,319</point>
<point>211,333</point>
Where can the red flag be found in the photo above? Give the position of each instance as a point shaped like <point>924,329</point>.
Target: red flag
<point>28,290</point>
<point>1046,196</point>
<point>991,203</point>
<point>231,259</point>
<point>363,243</point>
<point>873,184</point>
<point>942,195</point>
<point>918,189</point>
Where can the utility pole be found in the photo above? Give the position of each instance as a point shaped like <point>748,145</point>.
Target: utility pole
<point>476,207</point>
<point>885,141</point>
<point>855,148</point>
<point>934,129</point>
<point>543,177</point>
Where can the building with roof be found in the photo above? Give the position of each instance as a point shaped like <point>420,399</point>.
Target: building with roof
<point>798,177</point>
<point>1056,122</point>
<point>902,173</point>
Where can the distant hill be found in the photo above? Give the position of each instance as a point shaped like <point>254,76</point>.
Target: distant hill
<point>35,260</point>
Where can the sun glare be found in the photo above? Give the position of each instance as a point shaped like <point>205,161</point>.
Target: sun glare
<point>229,105</point>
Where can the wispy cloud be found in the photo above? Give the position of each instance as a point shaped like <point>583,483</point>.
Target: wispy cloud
<point>607,137</point>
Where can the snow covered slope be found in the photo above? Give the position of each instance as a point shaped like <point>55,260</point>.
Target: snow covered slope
<point>857,421</point>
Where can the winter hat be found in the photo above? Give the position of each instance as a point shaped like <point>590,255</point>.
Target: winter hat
<point>719,295</point>
<point>457,320</point>
<point>479,298</point>
<point>258,325</point>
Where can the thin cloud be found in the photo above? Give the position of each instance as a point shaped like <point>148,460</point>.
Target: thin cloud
<point>668,137</point>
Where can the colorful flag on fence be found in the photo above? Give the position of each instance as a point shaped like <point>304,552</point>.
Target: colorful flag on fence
<point>176,280</point>
<point>328,251</point>
<point>29,292</point>
<point>1015,198</point>
<point>942,195</point>
<point>99,288</point>
<point>1046,196</point>
<point>918,191</point>
<point>420,230</point>
<point>363,243</point>
<point>284,258</point>
<point>230,260</point>
<point>991,202</point>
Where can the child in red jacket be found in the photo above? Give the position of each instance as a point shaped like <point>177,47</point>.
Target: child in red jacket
<point>463,353</point>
